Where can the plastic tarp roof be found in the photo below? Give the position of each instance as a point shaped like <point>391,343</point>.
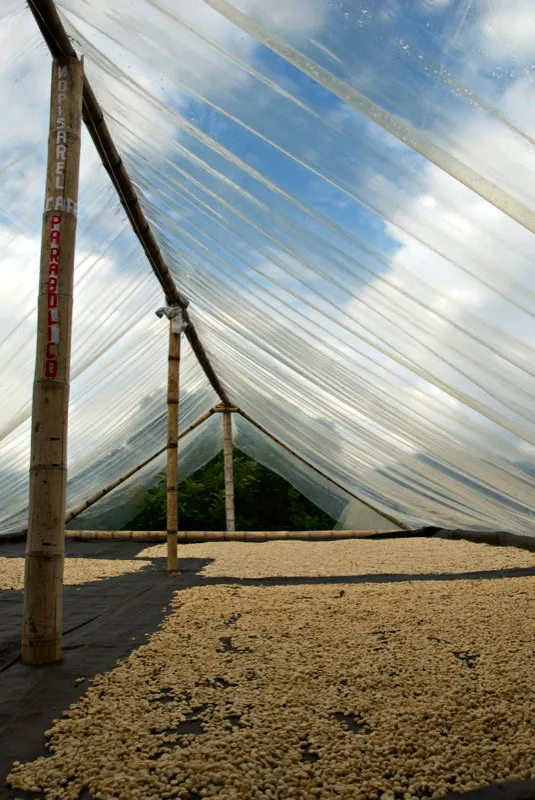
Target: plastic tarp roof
<point>343,190</point>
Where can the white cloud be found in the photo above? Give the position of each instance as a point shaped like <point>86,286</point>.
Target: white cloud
<point>208,44</point>
<point>507,28</point>
<point>25,70</point>
<point>517,100</point>
<point>300,17</point>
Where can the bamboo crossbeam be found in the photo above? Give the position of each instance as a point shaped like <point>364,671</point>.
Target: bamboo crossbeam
<point>225,536</point>
<point>114,484</point>
<point>55,36</point>
<point>307,463</point>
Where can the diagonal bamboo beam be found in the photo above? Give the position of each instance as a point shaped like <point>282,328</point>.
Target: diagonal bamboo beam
<point>311,466</point>
<point>55,36</point>
<point>114,484</point>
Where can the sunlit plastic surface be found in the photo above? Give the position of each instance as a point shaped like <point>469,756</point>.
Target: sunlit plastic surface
<point>343,191</point>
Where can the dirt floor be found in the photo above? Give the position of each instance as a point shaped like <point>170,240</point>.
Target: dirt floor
<point>389,669</point>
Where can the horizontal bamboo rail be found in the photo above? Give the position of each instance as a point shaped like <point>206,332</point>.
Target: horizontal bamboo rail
<point>311,466</point>
<point>114,484</point>
<point>55,36</point>
<point>223,536</point>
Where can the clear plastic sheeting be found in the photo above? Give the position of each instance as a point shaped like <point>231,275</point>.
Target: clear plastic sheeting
<point>358,517</point>
<point>108,440</point>
<point>120,506</point>
<point>119,367</point>
<point>342,190</point>
<point>418,82</point>
<point>319,490</point>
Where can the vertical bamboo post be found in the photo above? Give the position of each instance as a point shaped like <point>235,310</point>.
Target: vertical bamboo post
<point>45,547</point>
<point>229,471</point>
<point>173,385</point>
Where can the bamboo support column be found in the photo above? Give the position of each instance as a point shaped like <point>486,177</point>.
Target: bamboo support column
<point>45,548</point>
<point>173,385</point>
<point>229,471</point>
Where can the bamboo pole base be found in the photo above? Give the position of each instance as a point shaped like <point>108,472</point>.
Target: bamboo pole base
<point>184,537</point>
<point>41,641</point>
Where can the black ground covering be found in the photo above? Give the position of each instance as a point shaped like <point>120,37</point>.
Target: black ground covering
<point>105,620</point>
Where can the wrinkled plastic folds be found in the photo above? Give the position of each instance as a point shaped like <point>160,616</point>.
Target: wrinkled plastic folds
<point>343,191</point>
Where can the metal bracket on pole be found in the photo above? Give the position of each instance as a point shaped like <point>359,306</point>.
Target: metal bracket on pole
<point>177,315</point>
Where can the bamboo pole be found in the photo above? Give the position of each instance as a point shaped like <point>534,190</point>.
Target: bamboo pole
<point>45,547</point>
<point>55,36</point>
<point>307,463</point>
<point>114,484</point>
<point>229,536</point>
<point>229,471</point>
<point>173,393</point>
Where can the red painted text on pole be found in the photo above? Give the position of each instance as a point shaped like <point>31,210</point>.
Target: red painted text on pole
<point>51,358</point>
<point>58,204</point>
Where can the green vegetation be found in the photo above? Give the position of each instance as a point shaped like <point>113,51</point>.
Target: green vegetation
<point>264,501</point>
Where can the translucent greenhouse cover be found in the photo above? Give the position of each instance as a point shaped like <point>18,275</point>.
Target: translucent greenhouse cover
<point>344,191</point>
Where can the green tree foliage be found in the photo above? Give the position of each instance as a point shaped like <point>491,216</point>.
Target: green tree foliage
<point>263,500</point>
